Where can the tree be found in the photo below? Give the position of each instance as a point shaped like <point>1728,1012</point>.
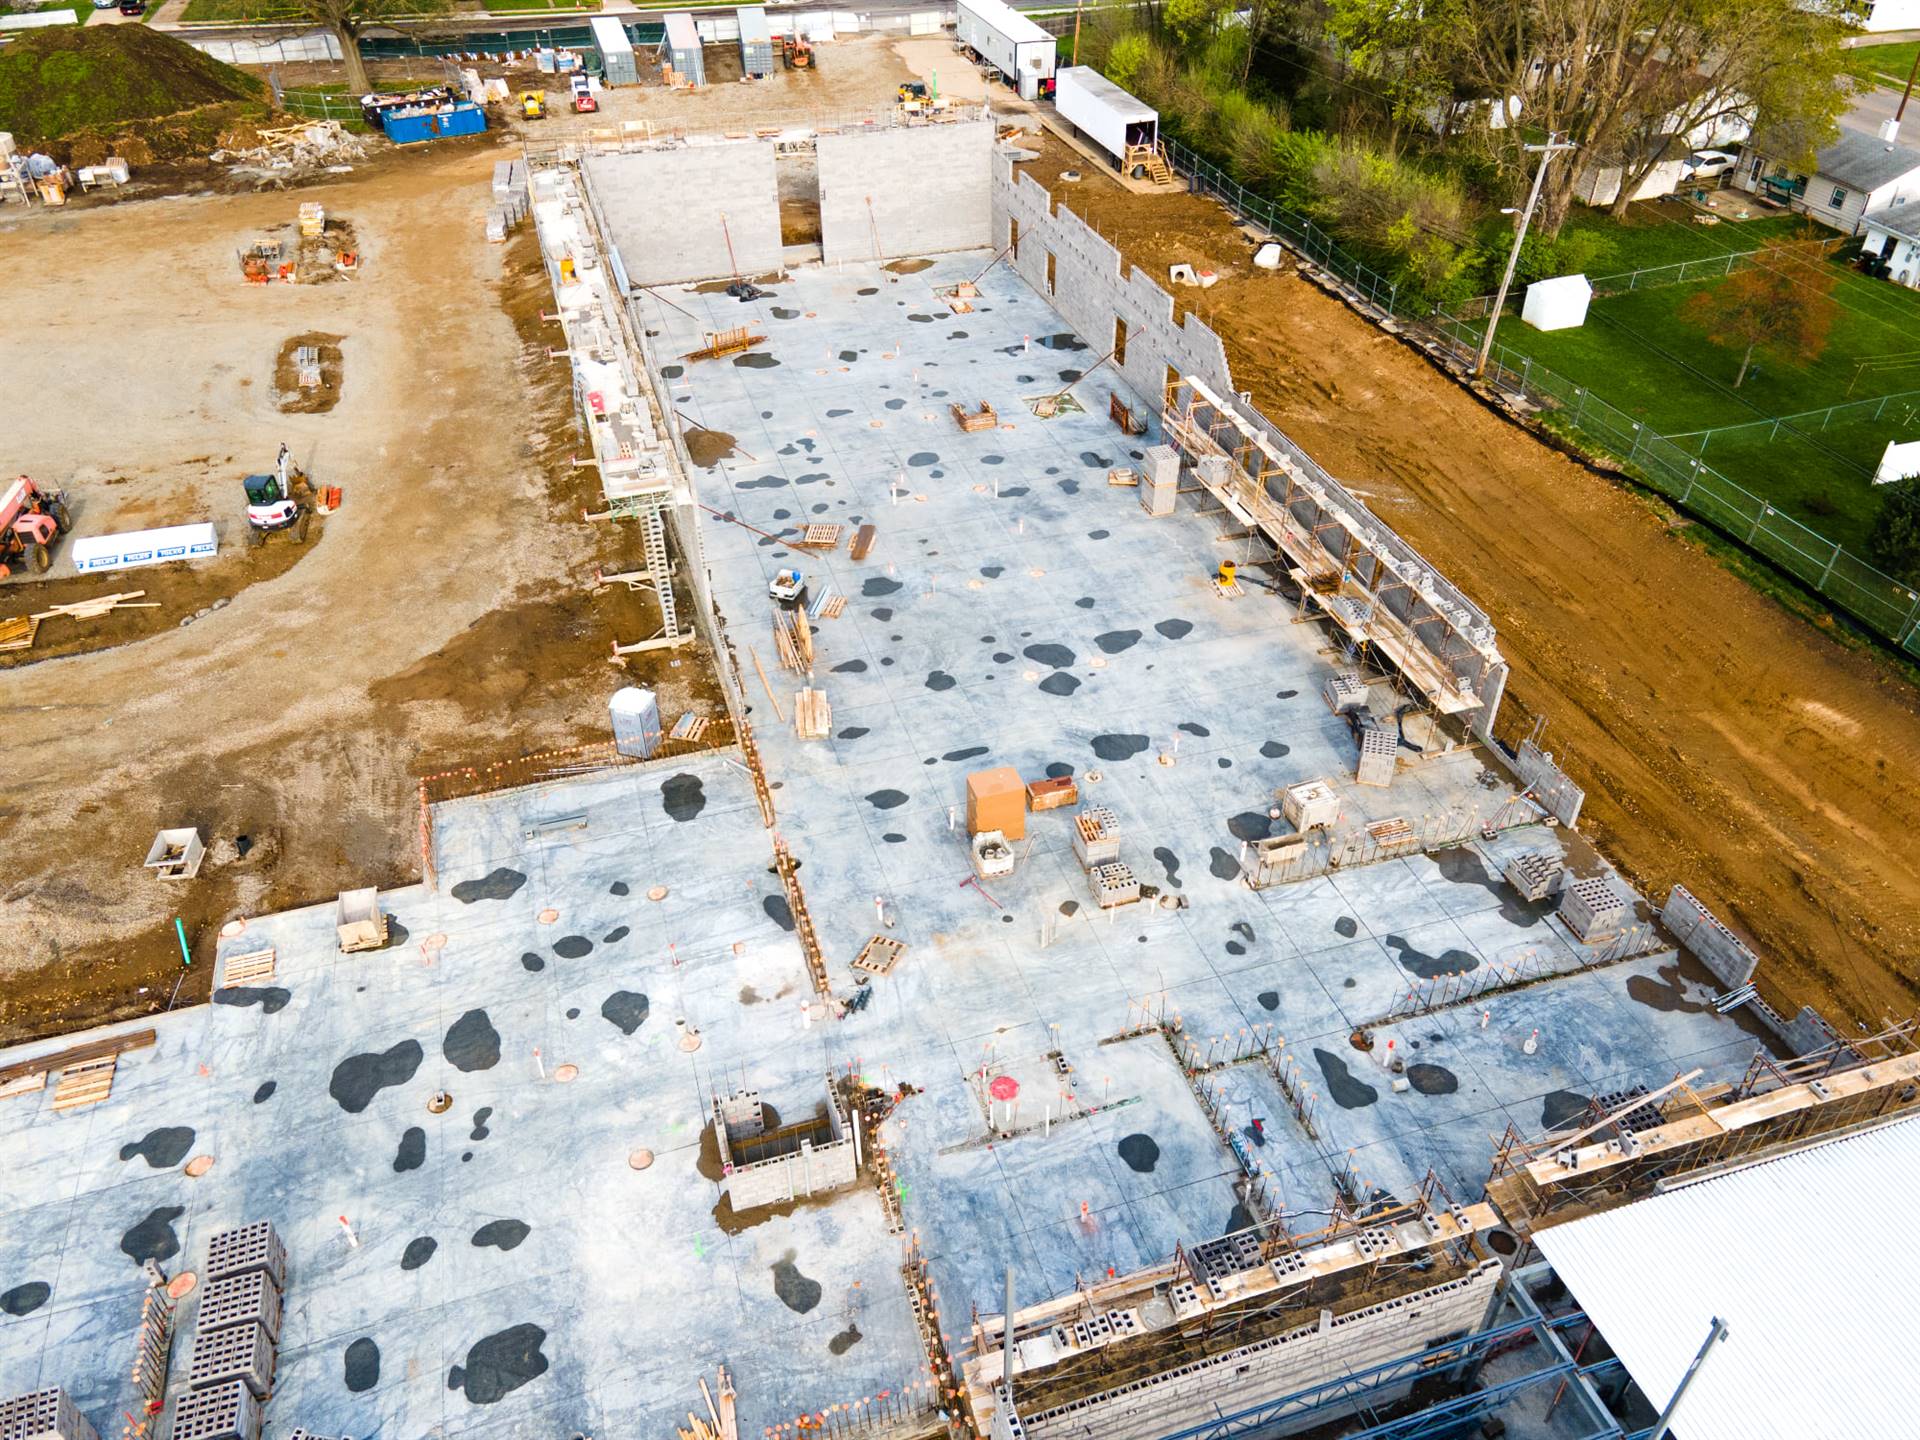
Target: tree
<point>1606,72</point>
<point>1782,305</point>
<point>1894,544</point>
<point>350,19</point>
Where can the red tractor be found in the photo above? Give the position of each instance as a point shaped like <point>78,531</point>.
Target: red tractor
<point>29,519</point>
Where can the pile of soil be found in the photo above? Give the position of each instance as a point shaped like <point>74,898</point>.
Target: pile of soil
<point>89,85</point>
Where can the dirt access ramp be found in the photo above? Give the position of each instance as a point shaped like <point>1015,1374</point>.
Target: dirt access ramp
<point>1724,743</point>
<point>440,618</point>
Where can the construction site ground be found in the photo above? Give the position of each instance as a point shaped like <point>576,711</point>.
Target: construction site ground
<point>442,617</point>
<point>1724,742</point>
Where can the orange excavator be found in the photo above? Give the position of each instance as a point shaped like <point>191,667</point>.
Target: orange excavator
<point>30,518</point>
<point>799,54</point>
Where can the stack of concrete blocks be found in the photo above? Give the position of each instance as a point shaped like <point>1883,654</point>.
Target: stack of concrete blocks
<point>756,42</point>
<point>1114,884</point>
<point>1310,805</point>
<point>242,1352</point>
<point>222,1412</point>
<point>249,1298</point>
<point>803,1159</point>
<point>1594,907</point>
<point>510,199</point>
<point>1345,692</point>
<point>1535,874</point>
<point>44,1415</point>
<point>1717,947</point>
<point>1096,836</point>
<point>1159,480</point>
<point>1379,751</point>
<point>997,800</point>
<point>1265,1371</point>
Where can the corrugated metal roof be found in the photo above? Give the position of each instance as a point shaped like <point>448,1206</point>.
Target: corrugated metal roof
<point>1811,1261</point>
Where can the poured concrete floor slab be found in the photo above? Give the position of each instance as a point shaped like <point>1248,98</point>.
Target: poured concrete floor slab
<point>509,1273</point>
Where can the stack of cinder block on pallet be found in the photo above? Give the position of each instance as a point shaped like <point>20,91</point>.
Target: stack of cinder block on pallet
<point>44,1415</point>
<point>1378,756</point>
<point>236,1338</point>
<point>510,200</point>
<point>1159,480</point>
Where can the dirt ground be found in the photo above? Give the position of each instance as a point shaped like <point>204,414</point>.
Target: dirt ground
<point>441,617</point>
<point>1724,743</point>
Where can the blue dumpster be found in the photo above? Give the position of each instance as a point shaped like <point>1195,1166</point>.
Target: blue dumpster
<point>438,122</point>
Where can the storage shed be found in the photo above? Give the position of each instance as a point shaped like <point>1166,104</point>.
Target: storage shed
<point>756,42</point>
<point>1557,304</point>
<point>1020,50</point>
<point>681,50</point>
<point>1104,113</point>
<point>617,65</point>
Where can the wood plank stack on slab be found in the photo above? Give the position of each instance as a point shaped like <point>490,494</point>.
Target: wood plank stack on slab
<point>87,1083</point>
<point>862,545</point>
<point>247,969</point>
<point>812,715</point>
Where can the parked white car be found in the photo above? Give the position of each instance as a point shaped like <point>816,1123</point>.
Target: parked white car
<point>1706,164</point>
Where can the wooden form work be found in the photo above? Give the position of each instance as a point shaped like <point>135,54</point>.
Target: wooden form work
<point>973,421</point>
<point>812,715</point>
<point>1336,557</point>
<point>722,343</point>
<point>879,955</point>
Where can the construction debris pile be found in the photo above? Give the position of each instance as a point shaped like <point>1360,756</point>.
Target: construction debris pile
<point>288,151</point>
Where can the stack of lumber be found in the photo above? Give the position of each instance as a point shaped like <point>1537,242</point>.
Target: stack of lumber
<point>812,715</point>
<point>19,633</point>
<point>793,639</point>
<point>983,419</point>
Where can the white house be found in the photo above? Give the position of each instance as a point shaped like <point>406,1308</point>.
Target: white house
<point>1855,174</point>
<point>1893,237</point>
<point>1884,15</point>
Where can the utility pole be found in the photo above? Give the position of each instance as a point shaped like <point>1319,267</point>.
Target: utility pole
<point>1716,1332</point>
<point>1890,132</point>
<point>1546,153</point>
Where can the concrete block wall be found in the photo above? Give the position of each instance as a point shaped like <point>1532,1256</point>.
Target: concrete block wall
<point>920,190</point>
<point>741,1114</point>
<point>1549,783</point>
<point>812,1168</point>
<point>1336,1348</point>
<point>1718,948</point>
<point>1090,286</point>
<point>664,210</point>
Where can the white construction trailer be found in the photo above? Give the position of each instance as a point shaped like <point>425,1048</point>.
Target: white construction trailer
<point>1008,41</point>
<point>1106,114</point>
<point>617,63</point>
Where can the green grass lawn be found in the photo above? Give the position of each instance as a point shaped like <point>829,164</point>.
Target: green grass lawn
<point>1885,64</point>
<point>519,7</point>
<point>1635,353</point>
<point>80,8</point>
<point>1662,232</point>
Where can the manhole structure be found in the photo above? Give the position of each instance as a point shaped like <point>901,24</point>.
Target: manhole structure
<point>182,1285</point>
<point>639,1159</point>
<point>199,1165</point>
<point>567,1074</point>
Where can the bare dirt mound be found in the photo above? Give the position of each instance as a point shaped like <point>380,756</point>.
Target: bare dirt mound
<point>1723,742</point>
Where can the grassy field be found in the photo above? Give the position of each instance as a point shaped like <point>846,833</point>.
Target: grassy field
<point>229,12</point>
<point>1662,232</point>
<point>1637,354</point>
<point>523,7</point>
<point>1886,64</point>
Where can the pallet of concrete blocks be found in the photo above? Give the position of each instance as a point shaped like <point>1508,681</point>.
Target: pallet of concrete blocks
<point>1096,836</point>
<point>249,1248</point>
<point>1160,480</point>
<point>1345,692</point>
<point>313,219</point>
<point>1310,805</point>
<point>1378,756</point>
<point>1535,874</point>
<point>236,1352</point>
<point>1595,907</point>
<point>44,1415</point>
<point>1114,883</point>
<point>249,1298</point>
<point>496,226</point>
<point>224,1412</point>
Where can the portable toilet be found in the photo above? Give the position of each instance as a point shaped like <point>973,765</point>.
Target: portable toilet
<point>756,42</point>
<point>617,65</point>
<point>681,50</point>
<point>635,714</point>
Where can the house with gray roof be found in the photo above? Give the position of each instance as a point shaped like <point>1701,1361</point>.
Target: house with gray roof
<point>1855,174</point>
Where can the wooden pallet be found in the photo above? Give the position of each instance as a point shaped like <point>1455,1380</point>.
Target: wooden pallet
<point>689,727</point>
<point>1122,415</point>
<point>24,1084</point>
<point>721,343</point>
<point>862,545</point>
<point>879,955</point>
<point>1389,831</point>
<point>247,969</point>
<point>75,1054</point>
<point>812,715</point>
<point>818,537</point>
<point>831,607</point>
<point>1124,479</point>
<point>87,1083</point>
<point>18,633</point>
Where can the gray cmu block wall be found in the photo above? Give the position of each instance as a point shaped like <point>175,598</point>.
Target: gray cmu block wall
<point>663,210</point>
<point>1337,1348</point>
<point>1549,783</point>
<point>930,187</point>
<point>1092,287</point>
<point>1717,947</point>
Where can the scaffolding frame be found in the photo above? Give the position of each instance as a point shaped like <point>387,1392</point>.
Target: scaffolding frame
<point>1337,555</point>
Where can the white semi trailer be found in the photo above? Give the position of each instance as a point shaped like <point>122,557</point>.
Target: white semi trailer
<point>1107,115</point>
<point>1007,40</point>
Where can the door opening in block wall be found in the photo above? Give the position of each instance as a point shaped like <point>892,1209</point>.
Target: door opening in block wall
<point>798,176</point>
<point>1119,341</point>
<point>1049,272</point>
<point>1013,238</point>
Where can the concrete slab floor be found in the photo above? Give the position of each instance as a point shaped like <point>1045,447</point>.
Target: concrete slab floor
<point>510,1271</point>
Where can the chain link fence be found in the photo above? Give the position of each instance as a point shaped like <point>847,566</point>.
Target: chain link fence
<point>1884,605</point>
<point>1904,406</point>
